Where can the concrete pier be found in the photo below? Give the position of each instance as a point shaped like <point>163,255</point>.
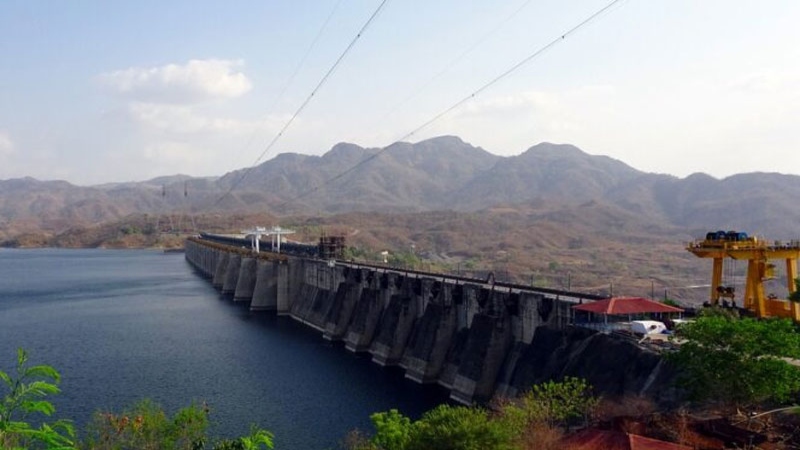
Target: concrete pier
<point>232,274</point>
<point>246,283</point>
<point>221,270</point>
<point>431,339</point>
<point>265,291</point>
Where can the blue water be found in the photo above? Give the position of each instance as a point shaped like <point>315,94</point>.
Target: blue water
<point>122,325</point>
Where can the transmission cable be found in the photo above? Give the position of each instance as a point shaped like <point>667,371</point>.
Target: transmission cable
<point>454,61</point>
<point>469,97</point>
<point>297,68</point>
<point>306,102</point>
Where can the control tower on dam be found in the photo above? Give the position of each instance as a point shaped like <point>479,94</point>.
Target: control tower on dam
<point>477,338</point>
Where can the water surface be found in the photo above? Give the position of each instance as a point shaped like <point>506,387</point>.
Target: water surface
<point>122,325</point>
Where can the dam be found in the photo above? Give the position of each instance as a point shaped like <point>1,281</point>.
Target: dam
<point>476,338</point>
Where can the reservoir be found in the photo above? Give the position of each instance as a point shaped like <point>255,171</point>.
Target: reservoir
<point>122,325</point>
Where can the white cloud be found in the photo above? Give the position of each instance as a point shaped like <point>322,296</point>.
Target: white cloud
<point>528,117</point>
<point>166,139</point>
<point>193,82</point>
<point>6,144</point>
<point>172,154</point>
<point>181,119</point>
<point>764,81</point>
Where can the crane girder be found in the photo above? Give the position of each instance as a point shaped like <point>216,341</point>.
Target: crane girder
<point>758,254</point>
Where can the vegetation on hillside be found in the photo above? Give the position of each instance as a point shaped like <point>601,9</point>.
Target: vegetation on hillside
<point>553,215</point>
<point>530,245</point>
<point>538,418</point>
<point>739,362</point>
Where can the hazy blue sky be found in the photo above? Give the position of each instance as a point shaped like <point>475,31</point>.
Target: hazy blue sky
<point>96,91</point>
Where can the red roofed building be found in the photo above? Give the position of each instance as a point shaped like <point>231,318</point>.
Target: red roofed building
<point>624,306</point>
<point>616,440</point>
<point>605,313</point>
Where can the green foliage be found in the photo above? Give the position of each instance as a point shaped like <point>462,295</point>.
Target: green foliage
<point>146,426</point>
<point>470,264</point>
<point>392,430</point>
<point>795,296</point>
<point>470,428</point>
<point>444,427</point>
<point>129,229</point>
<point>143,427</point>
<point>554,403</point>
<point>671,302</point>
<point>354,253</point>
<point>404,259</point>
<point>24,395</point>
<point>257,439</point>
<point>739,361</point>
<point>459,428</point>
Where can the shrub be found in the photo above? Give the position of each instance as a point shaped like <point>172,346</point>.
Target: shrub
<point>25,396</point>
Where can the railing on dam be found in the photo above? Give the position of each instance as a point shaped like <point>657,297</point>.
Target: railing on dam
<point>309,250</point>
<point>475,338</point>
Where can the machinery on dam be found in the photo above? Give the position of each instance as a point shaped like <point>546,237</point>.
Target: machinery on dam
<point>739,246</point>
<point>328,247</point>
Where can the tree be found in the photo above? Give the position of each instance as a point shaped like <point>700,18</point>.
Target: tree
<point>459,428</point>
<point>24,397</point>
<point>738,362</point>
<point>671,302</point>
<point>536,419</point>
<point>392,430</point>
<point>532,419</point>
<point>258,437</point>
<point>558,403</point>
<point>146,426</point>
<point>443,428</point>
<point>795,296</point>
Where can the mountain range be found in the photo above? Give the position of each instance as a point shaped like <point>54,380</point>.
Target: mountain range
<point>442,173</point>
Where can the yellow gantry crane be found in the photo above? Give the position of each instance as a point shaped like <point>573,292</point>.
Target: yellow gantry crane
<point>719,245</point>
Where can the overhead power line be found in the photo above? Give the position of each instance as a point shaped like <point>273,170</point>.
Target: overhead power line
<point>455,60</point>
<point>297,68</point>
<point>469,97</point>
<point>307,100</point>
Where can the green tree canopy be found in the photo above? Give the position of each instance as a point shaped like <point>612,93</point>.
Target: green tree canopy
<point>443,428</point>
<point>795,296</point>
<point>471,428</point>
<point>739,361</point>
<point>24,396</point>
<point>559,402</point>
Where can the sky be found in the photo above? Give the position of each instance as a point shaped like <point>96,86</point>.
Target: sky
<point>97,91</point>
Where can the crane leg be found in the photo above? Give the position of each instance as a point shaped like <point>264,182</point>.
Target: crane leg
<point>716,281</point>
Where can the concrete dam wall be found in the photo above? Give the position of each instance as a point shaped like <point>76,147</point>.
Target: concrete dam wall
<point>474,339</point>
